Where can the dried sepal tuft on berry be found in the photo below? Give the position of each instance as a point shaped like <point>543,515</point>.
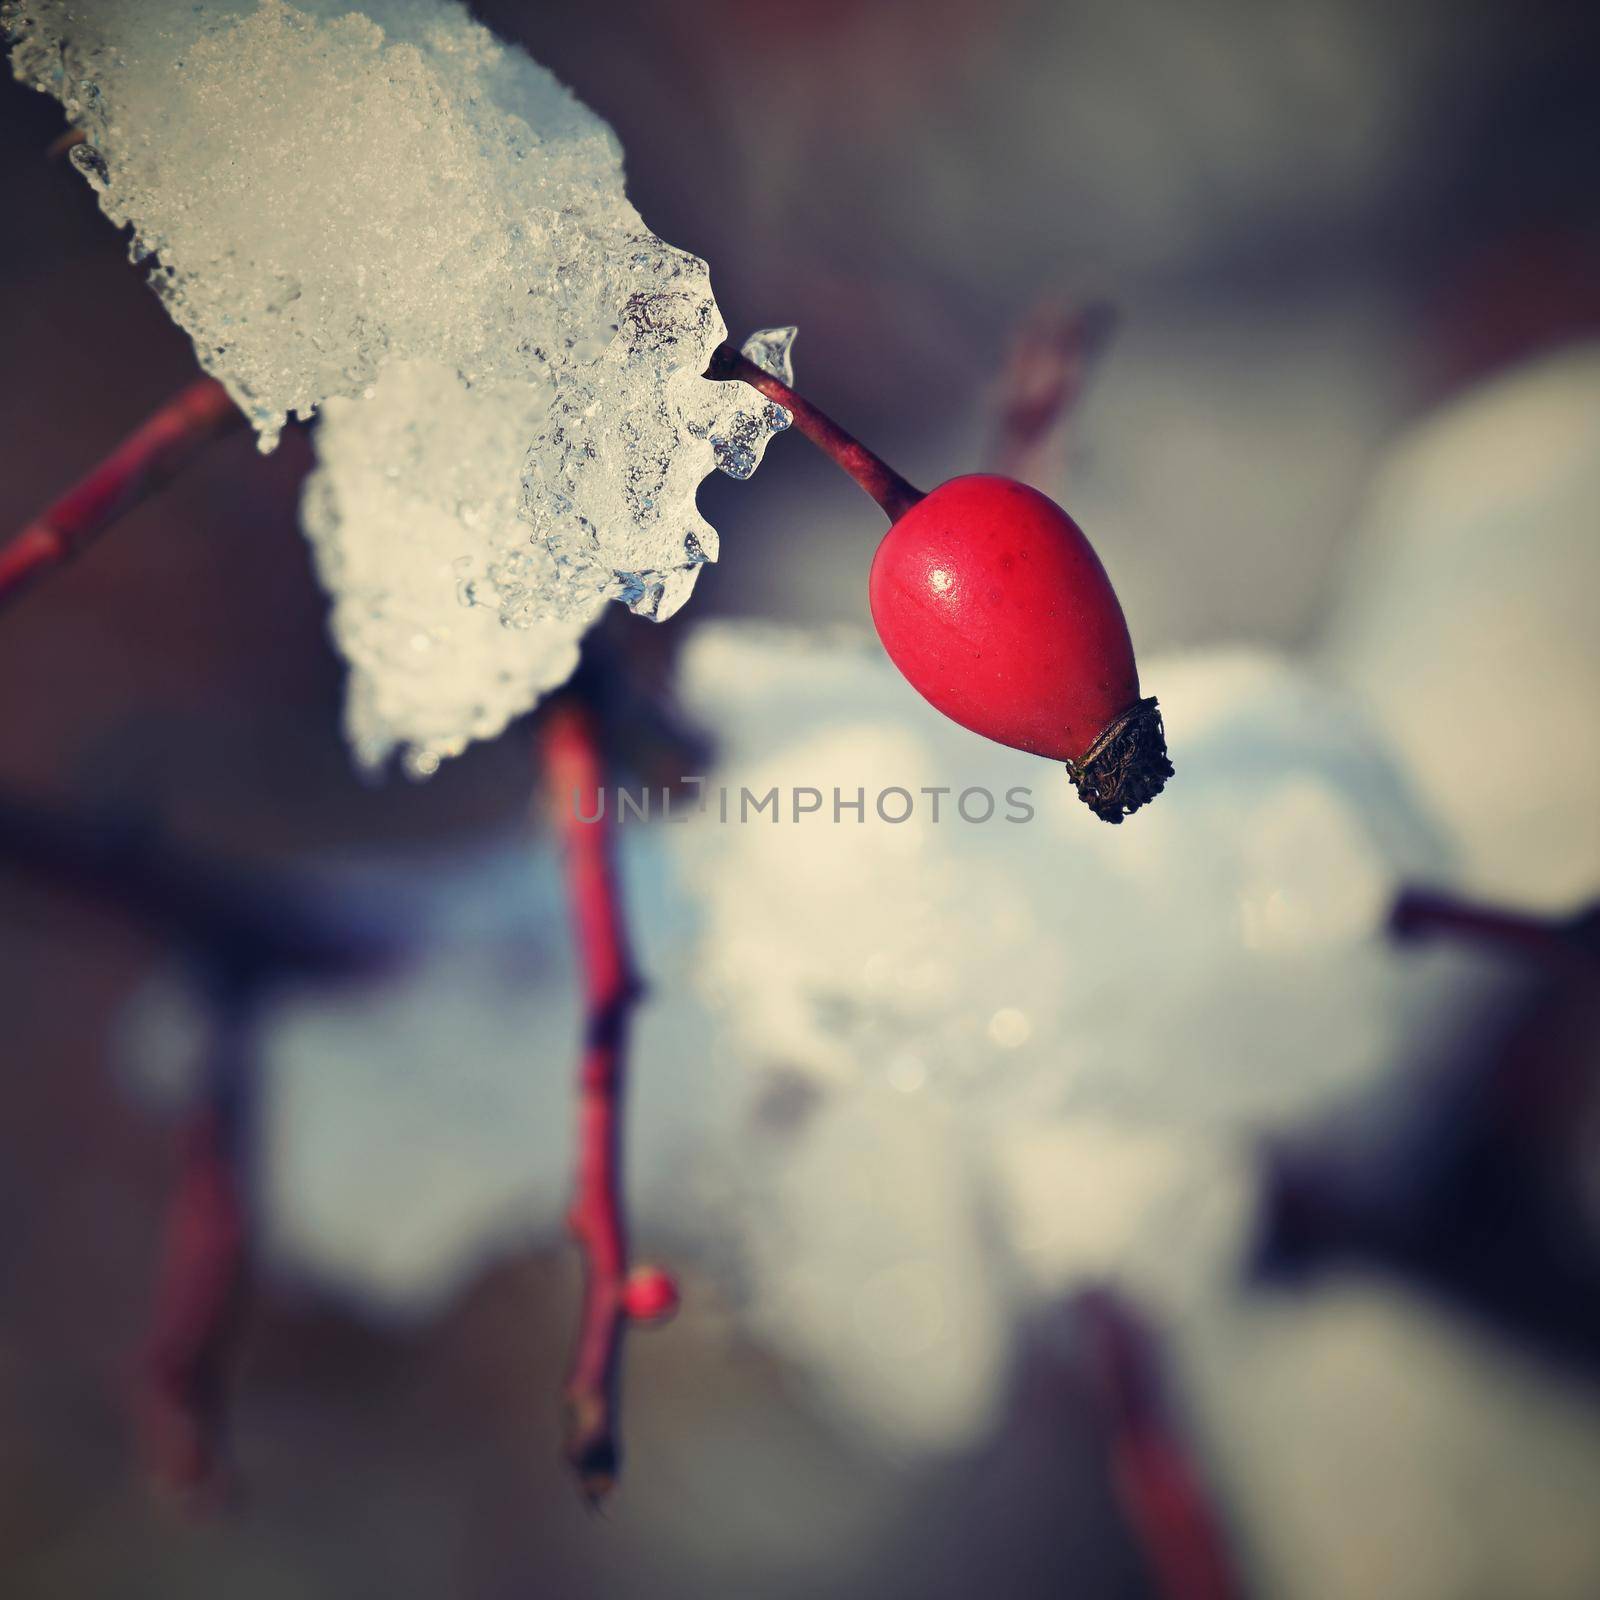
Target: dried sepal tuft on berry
<point>1127,765</point>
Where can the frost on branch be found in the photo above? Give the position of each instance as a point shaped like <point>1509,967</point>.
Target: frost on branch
<point>390,217</point>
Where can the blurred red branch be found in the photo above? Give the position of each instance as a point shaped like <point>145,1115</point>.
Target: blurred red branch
<point>145,460</point>
<point>241,929</point>
<point>181,1386</point>
<point>243,934</point>
<point>1426,913</point>
<point>574,775</point>
<point>1047,367</point>
<point>1156,1478</point>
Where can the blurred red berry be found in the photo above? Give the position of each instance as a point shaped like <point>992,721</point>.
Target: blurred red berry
<point>650,1295</point>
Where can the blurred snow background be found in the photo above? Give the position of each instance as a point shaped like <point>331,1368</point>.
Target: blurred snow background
<point>902,1086</point>
<point>1340,463</point>
<point>1468,626</point>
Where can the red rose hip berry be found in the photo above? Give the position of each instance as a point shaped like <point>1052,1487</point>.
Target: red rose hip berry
<point>993,604</point>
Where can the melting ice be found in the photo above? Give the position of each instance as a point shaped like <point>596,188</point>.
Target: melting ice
<point>390,218</point>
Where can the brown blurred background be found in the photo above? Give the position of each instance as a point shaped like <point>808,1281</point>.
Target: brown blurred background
<point>1315,219</point>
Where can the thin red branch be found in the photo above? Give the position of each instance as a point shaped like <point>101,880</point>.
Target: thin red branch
<point>145,460</point>
<point>157,450</point>
<point>1047,368</point>
<point>1159,1483</point>
<point>242,934</point>
<point>574,776</point>
<point>1425,913</point>
<point>241,928</point>
<point>180,1390</point>
<point>880,480</point>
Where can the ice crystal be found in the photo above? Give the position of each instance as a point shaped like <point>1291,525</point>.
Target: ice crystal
<point>388,216</point>
<point>772,350</point>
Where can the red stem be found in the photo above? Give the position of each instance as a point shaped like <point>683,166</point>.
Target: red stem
<point>145,460</point>
<point>181,1387</point>
<point>574,779</point>
<point>1422,913</point>
<point>1161,1487</point>
<point>1046,370</point>
<point>160,447</point>
<point>880,480</point>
